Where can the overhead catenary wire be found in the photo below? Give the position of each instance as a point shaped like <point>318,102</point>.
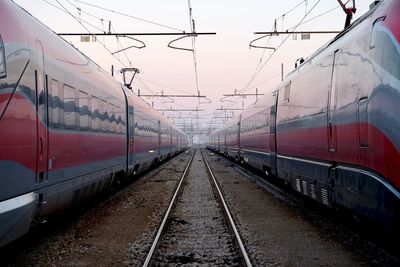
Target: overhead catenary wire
<point>122,48</point>
<point>105,47</point>
<point>269,39</point>
<point>129,16</point>
<point>63,10</point>
<point>288,29</point>
<point>315,17</point>
<point>284,40</point>
<point>292,9</point>
<point>267,79</point>
<point>81,21</point>
<point>83,11</point>
<point>166,86</point>
<point>260,66</point>
<point>260,60</point>
<point>145,86</point>
<point>193,30</point>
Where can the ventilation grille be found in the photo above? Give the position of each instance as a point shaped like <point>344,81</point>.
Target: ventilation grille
<point>298,188</point>
<point>304,185</point>
<point>76,195</point>
<point>324,196</point>
<point>312,191</point>
<point>99,185</point>
<point>93,188</point>
<point>85,191</point>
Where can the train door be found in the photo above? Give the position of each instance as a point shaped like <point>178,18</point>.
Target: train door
<point>42,116</point>
<point>225,149</point>
<point>272,133</point>
<point>170,139</point>
<point>131,135</point>
<point>332,100</point>
<point>159,137</point>
<point>238,135</point>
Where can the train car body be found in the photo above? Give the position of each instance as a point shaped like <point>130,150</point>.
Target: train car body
<point>257,134</point>
<point>151,137</point>
<point>229,139</point>
<point>336,137</point>
<point>64,132</point>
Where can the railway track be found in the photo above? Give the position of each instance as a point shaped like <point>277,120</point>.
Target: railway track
<point>197,227</point>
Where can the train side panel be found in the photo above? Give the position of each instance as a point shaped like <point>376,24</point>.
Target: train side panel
<point>52,153</point>
<point>337,135</point>
<point>257,134</point>
<point>151,137</point>
<point>230,139</point>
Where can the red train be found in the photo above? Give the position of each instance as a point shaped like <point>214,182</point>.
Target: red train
<point>331,130</point>
<point>68,130</point>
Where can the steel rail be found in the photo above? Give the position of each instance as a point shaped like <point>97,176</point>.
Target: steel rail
<point>228,214</point>
<point>171,204</point>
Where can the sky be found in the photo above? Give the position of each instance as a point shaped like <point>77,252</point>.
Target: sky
<point>224,61</point>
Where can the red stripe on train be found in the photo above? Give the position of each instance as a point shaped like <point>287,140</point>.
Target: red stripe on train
<point>380,155</point>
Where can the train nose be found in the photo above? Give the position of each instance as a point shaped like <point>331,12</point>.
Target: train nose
<point>14,60</point>
<point>3,74</point>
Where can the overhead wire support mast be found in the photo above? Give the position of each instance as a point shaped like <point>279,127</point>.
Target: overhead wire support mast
<point>261,66</point>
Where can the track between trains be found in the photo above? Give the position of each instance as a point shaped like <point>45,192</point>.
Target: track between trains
<point>198,227</point>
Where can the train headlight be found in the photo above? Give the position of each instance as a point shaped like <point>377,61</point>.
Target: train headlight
<point>3,72</point>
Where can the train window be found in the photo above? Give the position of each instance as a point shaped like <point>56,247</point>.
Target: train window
<point>105,112</point>
<point>287,92</point>
<point>103,118</point>
<point>83,102</point>
<point>3,72</point>
<point>111,113</point>
<point>363,121</point>
<point>61,104</point>
<point>69,107</point>
<point>89,113</point>
<point>109,116</point>
<point>390,56</point>
<point>118,120</point>
<point>55,103</point>
<point>374,33</point>
<point>95,113</point>
<point>112,119</point>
